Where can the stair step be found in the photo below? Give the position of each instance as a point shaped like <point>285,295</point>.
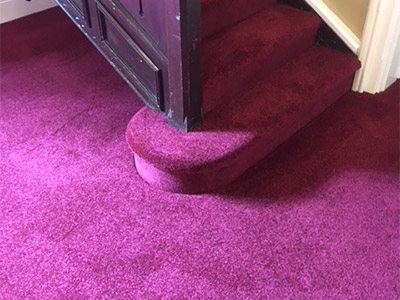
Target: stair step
<point>217,15</point>
<point>252,49</point>
<point>236,137</point>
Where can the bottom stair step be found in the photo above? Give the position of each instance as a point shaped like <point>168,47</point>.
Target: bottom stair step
<point>239,134</point>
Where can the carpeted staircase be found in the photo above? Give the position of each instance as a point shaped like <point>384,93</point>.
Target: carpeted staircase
<point>263,79</point>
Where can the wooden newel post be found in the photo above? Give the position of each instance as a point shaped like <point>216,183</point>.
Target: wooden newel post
<point>183,40</point>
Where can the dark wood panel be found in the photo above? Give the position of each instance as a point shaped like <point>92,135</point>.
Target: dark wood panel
<point>150,27</point>
<point>150,14</point>
<point>82,8</point>
<point>134,28</point>
<point>142,72</point>
<point>154,45</point>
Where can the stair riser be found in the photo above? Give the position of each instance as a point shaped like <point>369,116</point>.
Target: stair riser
<point>219,15</point>
<point>206,180</point>
<point>183,183</point>
<point>219,91</point>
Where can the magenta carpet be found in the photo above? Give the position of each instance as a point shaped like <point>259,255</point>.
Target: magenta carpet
<point>316,219</point>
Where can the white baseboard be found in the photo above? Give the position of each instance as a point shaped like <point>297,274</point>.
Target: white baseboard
<point>14,9</point>
<point>379,52</point>
<point>337,25</point>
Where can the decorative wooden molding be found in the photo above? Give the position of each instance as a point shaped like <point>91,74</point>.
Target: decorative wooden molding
<point>155,47</point>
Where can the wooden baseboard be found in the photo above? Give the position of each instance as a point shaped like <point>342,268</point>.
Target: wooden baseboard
<point>15,9</point>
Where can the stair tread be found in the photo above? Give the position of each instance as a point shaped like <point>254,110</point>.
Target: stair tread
<point>277,34</point>
<point>217,15</point>
<point>262,117</point>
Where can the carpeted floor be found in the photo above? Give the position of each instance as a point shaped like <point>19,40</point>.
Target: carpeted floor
<point>317,219</point>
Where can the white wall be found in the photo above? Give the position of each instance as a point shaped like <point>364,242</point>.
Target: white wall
<point>352,12</point>
<point>14,9</point>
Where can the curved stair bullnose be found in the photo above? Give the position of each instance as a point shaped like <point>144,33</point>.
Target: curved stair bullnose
<point>239,134</point>
<point>194,162</point>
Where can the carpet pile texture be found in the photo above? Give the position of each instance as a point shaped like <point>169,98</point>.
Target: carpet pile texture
<point>263,79</point>
<point>317,219</point>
